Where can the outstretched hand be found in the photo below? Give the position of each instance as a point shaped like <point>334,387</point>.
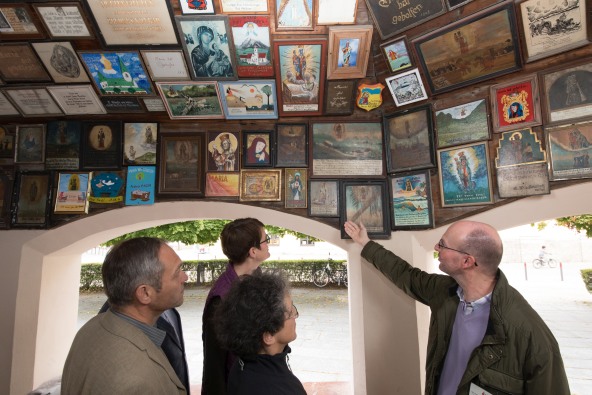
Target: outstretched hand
<point>358,233</point>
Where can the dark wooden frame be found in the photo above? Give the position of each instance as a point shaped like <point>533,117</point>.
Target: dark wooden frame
<point>381,198</point>
<point>40,131</point>
<point>326,139</point>
<point>7,181</point>
<point>41,213</point>
<point>283,144</point>
<point>420,120</point>
<point>303,201</point>
<point>575,171</point>
<point>269,136</point>
<point>318,71</point>
<point>438,71</point>
<point>467,133</point>
<point>411,201</point>
<point>195,164</point>
<point>92,156</point>
<point>32,16</point>
<point>405,43</point>
<point>347,102</point>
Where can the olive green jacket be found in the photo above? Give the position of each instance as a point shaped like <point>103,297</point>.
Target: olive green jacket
<point>518,354</point>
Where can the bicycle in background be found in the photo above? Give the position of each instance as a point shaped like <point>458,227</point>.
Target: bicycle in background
<point>540,262</point>
<point>321,277</point>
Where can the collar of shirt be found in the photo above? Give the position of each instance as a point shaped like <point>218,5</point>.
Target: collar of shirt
<point>469,307</point>
<point>154,334</point>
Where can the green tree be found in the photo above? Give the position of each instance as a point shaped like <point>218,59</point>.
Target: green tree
<point>195,232</point>
<point>577,222</point>
<point>267,90</point>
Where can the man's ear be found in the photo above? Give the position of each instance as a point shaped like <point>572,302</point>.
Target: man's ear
<point>268,339</point>
<point>144,294</point>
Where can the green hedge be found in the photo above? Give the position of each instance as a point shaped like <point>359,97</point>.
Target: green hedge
<point>587,276</point>
<point>205,272</point>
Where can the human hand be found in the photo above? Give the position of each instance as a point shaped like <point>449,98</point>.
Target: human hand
<point>358,233</point>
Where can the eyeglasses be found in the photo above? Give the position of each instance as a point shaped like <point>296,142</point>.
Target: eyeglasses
<point>266,240</point>
<point>294,313</point>
<point>441,245</point>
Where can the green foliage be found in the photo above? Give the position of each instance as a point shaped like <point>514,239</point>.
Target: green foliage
<point>196,232</point>
<point>577,222</point>
<point>587,277</point>
<point>206,271</point>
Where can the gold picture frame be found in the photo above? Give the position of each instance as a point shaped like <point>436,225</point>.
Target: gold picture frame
<point>260,185</point>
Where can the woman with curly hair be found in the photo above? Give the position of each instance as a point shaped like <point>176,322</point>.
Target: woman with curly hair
<point>256,321</point>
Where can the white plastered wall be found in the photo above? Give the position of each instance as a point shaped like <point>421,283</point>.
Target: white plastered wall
<point>40,270</point>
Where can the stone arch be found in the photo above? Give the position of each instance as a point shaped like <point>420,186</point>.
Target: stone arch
<point>388,331</point>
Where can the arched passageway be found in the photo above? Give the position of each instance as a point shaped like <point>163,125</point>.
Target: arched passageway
<point>388,330</point>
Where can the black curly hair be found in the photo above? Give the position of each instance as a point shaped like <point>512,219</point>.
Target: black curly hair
<point>253,306</point>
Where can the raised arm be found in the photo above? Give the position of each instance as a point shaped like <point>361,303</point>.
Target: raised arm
<point>357,232</point>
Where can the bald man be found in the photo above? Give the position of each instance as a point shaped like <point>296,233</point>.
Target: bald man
<point>484,336</point>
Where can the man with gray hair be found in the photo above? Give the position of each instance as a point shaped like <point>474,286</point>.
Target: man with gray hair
<point>484,337</point>
<point>119,351</point>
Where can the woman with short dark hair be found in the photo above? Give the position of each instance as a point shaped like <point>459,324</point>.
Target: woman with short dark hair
<point>256,321</point>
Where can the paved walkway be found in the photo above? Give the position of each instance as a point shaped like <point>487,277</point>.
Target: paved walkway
<point>321,356</point>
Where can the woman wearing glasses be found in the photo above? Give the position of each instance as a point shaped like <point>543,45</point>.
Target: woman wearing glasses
<point>257,321</point>
<point>246,245</point>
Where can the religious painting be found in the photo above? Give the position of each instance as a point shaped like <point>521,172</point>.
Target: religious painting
<point>291,145</point>
<point>117,73</point>
<point>296,184</point>
<point>30,206</point>
<point>365,202</point>
<point>519,147</point>
<point>349,49</point>
<point>406,88</point>
<point>223,151</point>
<point>208,46</point>
<point>62,150</point>
<point>462,123</point>
<point>396,54</point>
<point>323,198</point>
<point>249,99</point>
<point>465,175</point>
<point>30,144</point>
<point>182,164</point>
<point>482,46</point>
<point>369,96</point>
<point>16,22</point>
<point>412,200</point>
<point>570,149</point>
<point>257,147</point>
<point>567,92</point>
<point>294,14</point>
<point>139,143</point>
<point>346,149</point>
<point>7,139</point>
<point>252,44</point>
<point>515,103</point>
<point>409,139</point>
<point>72,193</point>
<point>260,185</point>
<point>101,145</point>
<point>551,27</point>
<point>300,75</point>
